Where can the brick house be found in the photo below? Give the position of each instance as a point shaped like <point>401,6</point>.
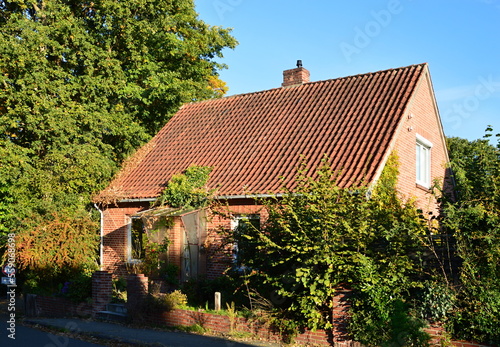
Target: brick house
<point>254,143</point>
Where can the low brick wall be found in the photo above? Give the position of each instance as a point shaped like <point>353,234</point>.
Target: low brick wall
<point>221,324</point>
<point>61,307</point>
<point>55,307</point>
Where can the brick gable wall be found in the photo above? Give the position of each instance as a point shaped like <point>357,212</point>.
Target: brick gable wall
<point>421,118</point>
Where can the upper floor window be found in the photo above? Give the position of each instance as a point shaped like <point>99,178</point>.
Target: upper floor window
<point>423,161</point>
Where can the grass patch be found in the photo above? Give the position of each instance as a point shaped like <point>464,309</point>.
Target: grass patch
<point>192,329</point>
<point>244,335</point>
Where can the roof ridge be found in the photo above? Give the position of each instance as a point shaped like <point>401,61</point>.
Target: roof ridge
<point>370,73</point>
<point>307,83</point>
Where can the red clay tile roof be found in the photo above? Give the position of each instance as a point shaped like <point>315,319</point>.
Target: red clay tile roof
<point>253,140</point>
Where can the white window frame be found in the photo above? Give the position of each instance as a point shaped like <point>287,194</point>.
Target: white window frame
<point>235,221</point>
<point>423,161</point>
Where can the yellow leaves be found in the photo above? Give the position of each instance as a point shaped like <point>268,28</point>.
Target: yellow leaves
<point>217,85</point>
<point>60,241</point>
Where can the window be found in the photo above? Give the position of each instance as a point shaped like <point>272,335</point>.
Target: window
<point>243,225</point>
<point>136,239</point>
<point>423,161</point>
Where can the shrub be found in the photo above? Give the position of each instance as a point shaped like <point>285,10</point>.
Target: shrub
<point>78,288</point>
<point>159,303</point>
<point>119,290</point>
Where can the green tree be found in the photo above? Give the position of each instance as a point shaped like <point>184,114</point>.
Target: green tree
<point>83,84</point>
<point>474,220</point>
<point>321,238</point>
<point>475,168</point>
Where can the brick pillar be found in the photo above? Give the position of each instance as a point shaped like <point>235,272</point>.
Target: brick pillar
<point>137,290</point>
<point>341,306</point>
<point>102,290</point>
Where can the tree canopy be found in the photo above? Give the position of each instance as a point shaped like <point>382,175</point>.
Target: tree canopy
<point>83,84</point>
<point>474,221</point>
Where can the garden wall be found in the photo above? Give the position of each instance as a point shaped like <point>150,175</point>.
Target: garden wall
<point>338,337</point>
<point>55,307</point>
<point>62,307</point>
<point>222,324</point>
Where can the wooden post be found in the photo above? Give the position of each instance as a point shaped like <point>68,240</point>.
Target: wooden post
<point>217,301</point>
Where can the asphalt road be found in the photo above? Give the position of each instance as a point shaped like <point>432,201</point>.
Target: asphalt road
<point>30,337</point>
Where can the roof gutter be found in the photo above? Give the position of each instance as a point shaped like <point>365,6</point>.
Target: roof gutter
<point>219,197</point>
<point>139,200</point>
<point>249,196</point>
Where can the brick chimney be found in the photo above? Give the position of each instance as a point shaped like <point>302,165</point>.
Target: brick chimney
<point>295,77</point>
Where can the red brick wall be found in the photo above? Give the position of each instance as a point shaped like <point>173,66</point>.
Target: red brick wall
<point>220,255</point>
<point>221,324</point>
<point>421,118</point>
<point>61,307</point>
<point>176,237</point>
<point>47,306</point>
<point>137,291</point>
<point>116,219</point>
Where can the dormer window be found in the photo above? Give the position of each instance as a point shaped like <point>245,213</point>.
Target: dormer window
<point>423,161</point>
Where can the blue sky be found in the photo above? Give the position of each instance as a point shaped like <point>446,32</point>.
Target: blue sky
<point>460,40</point>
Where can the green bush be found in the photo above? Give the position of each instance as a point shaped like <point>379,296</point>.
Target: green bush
<point>159,303</point>
<point>78,288</point>
<point>474,221</point>
<point>119,290</point>
<point>434,302</point>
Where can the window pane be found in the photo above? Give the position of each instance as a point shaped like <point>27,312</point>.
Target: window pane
<point>423,165</point>
<point>243,247</point>
<point>419,178</point>
<point>138,236</point>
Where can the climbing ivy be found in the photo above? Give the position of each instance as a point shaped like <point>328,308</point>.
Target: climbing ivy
<point>187,189</point>
<point>322,238</point>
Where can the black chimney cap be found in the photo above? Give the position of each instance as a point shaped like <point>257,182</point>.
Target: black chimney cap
<point>299,63</point>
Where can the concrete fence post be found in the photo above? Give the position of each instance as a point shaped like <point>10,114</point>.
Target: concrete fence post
<point>217,298</point>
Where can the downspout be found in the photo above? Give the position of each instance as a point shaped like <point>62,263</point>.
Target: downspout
<point>101,237</point>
